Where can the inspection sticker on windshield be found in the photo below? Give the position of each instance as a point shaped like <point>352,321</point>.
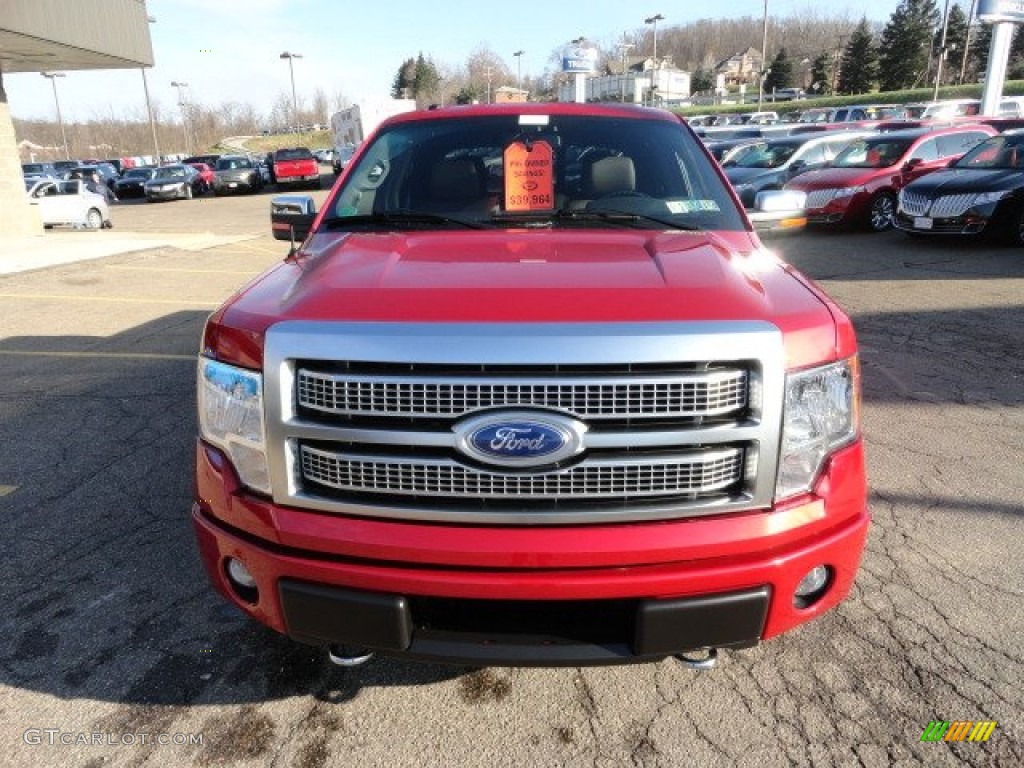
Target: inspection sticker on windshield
<point>529,176</point>
<point>691,206</point>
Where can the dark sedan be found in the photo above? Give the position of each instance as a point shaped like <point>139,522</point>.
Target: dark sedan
<point>236,174</point>
<point>981,193</point>
<point>133,182</point>
<point>770,163</point>
<point>173,182</point>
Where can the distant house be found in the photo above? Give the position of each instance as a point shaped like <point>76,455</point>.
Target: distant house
<point>741,67</point>
<point>507,93</point>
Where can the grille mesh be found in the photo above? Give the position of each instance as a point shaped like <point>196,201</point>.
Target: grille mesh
<point>709,393</point>
<point>819,198</point>
<point>950,206</point>
<point>914,204</point>
<point>693,474</point>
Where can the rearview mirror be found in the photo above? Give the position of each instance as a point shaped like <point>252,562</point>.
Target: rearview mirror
<point>291,217</point>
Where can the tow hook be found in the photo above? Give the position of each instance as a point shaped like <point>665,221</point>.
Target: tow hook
<point>700,662</point>
<point>348,655</point>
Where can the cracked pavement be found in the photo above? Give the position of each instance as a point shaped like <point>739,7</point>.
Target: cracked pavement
<point>109,626</point>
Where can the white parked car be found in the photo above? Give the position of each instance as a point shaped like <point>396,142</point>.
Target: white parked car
<point>68,202</point>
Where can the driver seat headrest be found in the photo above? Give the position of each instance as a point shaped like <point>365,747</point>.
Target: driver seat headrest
<point>612,174</point>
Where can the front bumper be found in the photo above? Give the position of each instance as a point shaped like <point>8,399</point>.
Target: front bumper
<point>175,193</point>
<point>574,595</point>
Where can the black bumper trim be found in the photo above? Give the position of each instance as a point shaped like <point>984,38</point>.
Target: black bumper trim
<point>387,623</point>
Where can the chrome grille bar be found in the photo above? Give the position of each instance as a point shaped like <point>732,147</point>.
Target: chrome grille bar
<point>708,393</point>
<point>692,474</point>
<point>950,206</point>
<point>819,198</point>
<point>914,204</point>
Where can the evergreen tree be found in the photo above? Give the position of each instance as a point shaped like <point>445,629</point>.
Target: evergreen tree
<point>977,56</point>
<point>425,79</point>
<point>402,85</point>
<point>821,74</point>
<point>903,50</point>
<point>781,75</point>
<point>858,71</point>
<point>702,80</point>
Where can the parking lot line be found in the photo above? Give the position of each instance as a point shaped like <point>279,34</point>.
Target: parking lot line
<point>115,299</point>
<point>6,489</point>
<point>106,355</point>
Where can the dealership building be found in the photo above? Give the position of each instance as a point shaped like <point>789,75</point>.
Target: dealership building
<point>55,36</point>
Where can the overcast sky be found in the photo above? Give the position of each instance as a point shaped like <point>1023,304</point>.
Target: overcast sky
<point>229,50</point>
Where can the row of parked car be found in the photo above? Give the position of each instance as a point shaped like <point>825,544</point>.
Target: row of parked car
<point>79,193</point>
<point>964,176</point>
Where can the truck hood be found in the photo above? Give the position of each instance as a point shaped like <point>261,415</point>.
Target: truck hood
<point>538,276</point>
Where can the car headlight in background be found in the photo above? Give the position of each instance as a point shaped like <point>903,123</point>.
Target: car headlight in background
<point>850,191</point>
<point>231,418</point>
<point>984,198</point>
<point>821,415</point>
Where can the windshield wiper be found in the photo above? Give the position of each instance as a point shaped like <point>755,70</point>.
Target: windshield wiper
<point>620,217</point>
<point>402,217</point>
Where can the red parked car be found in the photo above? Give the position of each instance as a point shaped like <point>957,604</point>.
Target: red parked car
<point>529,392</point>
<point>861,184</point>
<point>206,175</point>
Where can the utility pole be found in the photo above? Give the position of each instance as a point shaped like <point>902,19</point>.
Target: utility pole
<point>942,52</point>
<point>967,43</point>
<point>764,57</point>
<point>489,72</point>
<point>519,69</point>
<point>624,47</point>
<point>149,107</point>
<point>835,64</point>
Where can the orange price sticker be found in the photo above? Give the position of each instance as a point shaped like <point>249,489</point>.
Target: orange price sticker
<point>529,176</point>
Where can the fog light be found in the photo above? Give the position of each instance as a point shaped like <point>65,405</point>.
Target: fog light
<point>812,586</point>
<point>240,575</point>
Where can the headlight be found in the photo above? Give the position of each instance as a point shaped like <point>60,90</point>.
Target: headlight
<point>821,414</point>
<point>850,191</point>
<point>231,418</point>
<point>983,198</point>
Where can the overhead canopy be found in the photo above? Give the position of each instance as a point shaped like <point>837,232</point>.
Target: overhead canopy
<point>44,35</point>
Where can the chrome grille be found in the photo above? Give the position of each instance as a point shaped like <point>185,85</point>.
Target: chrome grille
<point>914,204</point>
<point>708,393</point>
<point>951,206</point>
<point>692,474</point>
<point>819,198</point>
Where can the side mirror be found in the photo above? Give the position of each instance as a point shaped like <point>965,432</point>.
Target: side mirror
<point>291,217</point>
<point>797,166</point>
<point>912,163</point>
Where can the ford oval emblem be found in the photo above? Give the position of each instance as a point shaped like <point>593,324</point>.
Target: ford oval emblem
<point>520,439</point>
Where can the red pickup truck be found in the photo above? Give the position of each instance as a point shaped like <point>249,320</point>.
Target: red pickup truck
<point>296,167</point>
<point>530,392</point>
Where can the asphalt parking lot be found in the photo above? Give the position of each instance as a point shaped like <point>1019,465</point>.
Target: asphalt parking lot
<point>114,650</point>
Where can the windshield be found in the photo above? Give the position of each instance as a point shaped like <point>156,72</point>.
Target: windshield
<point>875,152</point>
<point>33,168</point>
<point>232,163</point>
<point>1002,152</point>
<point>293,154</point>
<point>170,172</point>
<point>534,170</point>
<point>138,173</point>
<point>762,156</point>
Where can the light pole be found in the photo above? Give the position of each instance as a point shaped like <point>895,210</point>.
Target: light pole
<point>519,69</point>
<point>295,99</point>
<point>149,106</point>
<point>60,118</point>
<point>184,112</point>
<point>654,65</point>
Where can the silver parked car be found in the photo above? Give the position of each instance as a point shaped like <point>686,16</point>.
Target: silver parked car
<point>235,174</point>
